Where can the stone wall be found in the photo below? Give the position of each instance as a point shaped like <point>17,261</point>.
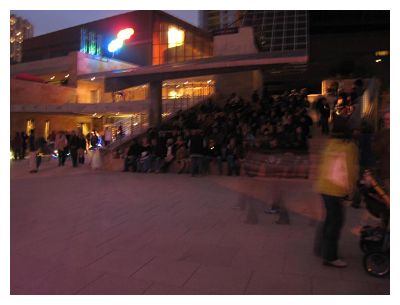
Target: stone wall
<point>28,93</point>
<point>234,44</point>
<point>87,64</point>
<point>242,83</point>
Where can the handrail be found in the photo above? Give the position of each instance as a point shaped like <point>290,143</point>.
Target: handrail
<point>132,126</point>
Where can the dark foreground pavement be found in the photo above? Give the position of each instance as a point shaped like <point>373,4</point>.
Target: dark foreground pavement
<point>79,231</point>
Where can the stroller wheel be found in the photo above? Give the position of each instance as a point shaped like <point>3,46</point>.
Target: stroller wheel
<point>377,264</point>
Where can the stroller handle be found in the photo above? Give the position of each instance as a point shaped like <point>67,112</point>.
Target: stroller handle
<point>371,180</point>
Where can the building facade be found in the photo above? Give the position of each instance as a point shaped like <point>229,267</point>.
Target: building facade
<point>20,30</point>
<point>68,64</point>
<point>53,87</point>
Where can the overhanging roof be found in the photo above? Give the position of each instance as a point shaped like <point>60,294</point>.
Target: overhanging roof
<point>121,79</point>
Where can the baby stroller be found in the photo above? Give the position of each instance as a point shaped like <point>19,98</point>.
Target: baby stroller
<point>375,241</point>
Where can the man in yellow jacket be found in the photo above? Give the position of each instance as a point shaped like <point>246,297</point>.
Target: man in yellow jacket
<point>337,177</point>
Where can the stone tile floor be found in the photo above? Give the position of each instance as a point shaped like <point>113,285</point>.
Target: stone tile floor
<point>79,231</point>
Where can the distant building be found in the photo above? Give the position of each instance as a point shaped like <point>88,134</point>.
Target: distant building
<point>20,30</point>
<point>212,21</point>
<point>273,30</point>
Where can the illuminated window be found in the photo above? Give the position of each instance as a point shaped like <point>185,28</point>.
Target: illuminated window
<point>382,53</point>
<point>176,37</point>
<point>29,125</point>
<point>47,129</point>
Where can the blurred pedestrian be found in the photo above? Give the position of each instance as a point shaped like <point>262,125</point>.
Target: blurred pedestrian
<point>337,177</point>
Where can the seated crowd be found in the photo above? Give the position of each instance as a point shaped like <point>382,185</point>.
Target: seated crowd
<point>211,133</point>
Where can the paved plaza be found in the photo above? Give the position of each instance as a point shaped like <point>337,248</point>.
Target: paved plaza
<point>82,231</point>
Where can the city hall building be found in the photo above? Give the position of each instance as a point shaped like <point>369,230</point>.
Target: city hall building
<point>134,69</point>
<point>53,87</point>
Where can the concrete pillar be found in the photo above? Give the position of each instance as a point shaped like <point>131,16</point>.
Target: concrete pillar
<point>155,103</point>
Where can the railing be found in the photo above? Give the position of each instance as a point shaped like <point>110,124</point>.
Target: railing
<point>172,106</point>
<point>130,127</point>
<point>137,124</point>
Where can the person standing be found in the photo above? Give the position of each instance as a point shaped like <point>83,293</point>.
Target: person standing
<point>32,152</point>
<point>234,155</point>
<point>325,114</point>
<point>23,139</point>
<point>107,136</point>
<point>81,147</point>
<point>94,139</point>
<point>60,144</point>
<point>337,177</point>
<point>17,146</point>
<point>196,149</point>
<point>132,156</point>
<point>42,148</point>
<point>73,148</point>
<point>381,150</point>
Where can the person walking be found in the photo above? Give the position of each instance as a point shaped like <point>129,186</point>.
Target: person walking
<point>337,177</point>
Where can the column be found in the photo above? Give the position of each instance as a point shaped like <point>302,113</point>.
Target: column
<point>155,103</point>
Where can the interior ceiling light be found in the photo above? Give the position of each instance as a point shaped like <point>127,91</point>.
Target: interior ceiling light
<point>93,78</point>
<point>53,77</point>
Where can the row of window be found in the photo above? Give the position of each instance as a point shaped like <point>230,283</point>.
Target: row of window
<point>282,27</point>
<point>175,44</point>
<point>289,32</point>
<point>280,47</point>
<point>277,40</point>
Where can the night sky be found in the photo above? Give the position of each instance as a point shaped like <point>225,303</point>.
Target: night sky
<point>50,21</point>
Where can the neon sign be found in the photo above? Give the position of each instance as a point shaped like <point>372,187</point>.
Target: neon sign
<point>117,43</point>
